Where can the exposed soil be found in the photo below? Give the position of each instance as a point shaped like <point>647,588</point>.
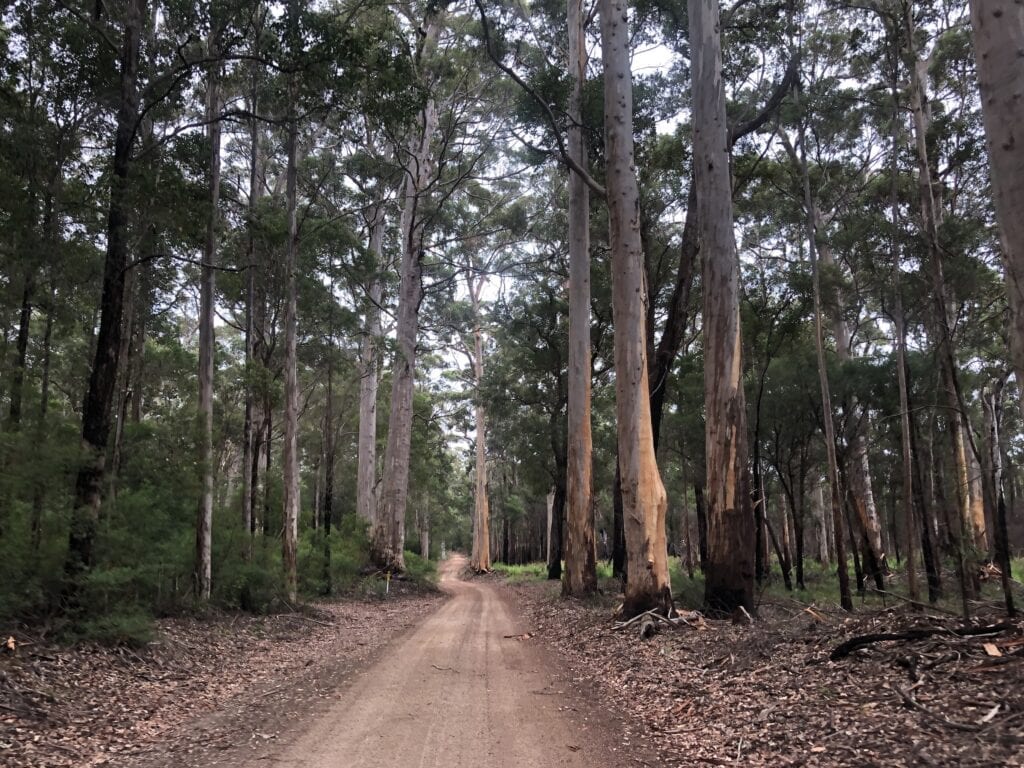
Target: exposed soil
<point>409,681</point>
<point>206,688</point>
<point>768,694</point>
<point>469,687</point>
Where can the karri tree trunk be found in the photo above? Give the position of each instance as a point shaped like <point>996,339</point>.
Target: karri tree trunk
<point>207,300</point>
<point>480,559</point>
<point>99,399</point>
<point>845,598</point>
<point>644,501</point>
<point>998,41</point>
<point>250,442</point>
<point>832,465</point>
<point>290,454</point>
<point>388,539</point>
<point>730,568</point>
<point>931,217</point>
<point>580,545</point>
<point>366,462</point>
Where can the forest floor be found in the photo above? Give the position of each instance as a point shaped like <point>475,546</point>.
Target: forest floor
<point>495,673</point>
<point>207,688</point>
<point>768,693</point>
<point>423,681</point>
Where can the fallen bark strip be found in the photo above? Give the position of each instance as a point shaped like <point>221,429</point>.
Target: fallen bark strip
<point>912,703</point>
<point>844,649</point>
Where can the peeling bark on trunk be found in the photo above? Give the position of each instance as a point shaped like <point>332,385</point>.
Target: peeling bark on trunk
<point>581,545</point>
<point>99,399</point>
<point>644,502</point>
<point>998,42</point>
<point>730,571</point>
<point>207,294</point>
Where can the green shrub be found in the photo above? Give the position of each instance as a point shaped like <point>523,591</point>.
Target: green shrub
<point>524,572</point>
<point>127,627</point>
<point>419,569</point>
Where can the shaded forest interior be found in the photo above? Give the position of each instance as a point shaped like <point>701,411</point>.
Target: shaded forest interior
<point>299,293</point>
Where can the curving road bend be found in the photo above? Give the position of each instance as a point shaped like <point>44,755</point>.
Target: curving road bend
<point>455,692</point>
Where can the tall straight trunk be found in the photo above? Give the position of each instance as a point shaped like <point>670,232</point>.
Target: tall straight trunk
<point>907,464</point>
<point>931,216</point>
<point>581,545</point>
<point>330,449</point>
<point>388,540</point>
<point>290,454</point>
<point>550,506</point>
<point>730,573</point>
<point>700,508</point>
<point>123,396</point>
<point>979,525</point>
<point>480,559</point>
<point>821,519</point>
<point>366,462</point>
<point>556,519</point>
<point>826,396</point>
<point>994,406</point>
<point>618,527</point>
<point>39,493</point>
<point>250,465</point>
<point>254,484</point>
<point>556,513</point>
<point>644,502</point>
<point>96,411</point>
<point>21,346</point>
<point>857,462</point>
<point>207,300</point>
<point>424,529</point>
<point>925,508</point>
<point>998,40</point>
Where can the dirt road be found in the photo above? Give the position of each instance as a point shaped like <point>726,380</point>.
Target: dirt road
<point>456,692</point>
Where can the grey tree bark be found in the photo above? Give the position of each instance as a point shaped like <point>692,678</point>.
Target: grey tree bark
<point>480,557</point>
<point>290,455</point>
<point>207,299</point>
<point>845,598</point>
<point>366,462</point>
<point>96,412</point>
<point>388,539</point>
<point>580,545</point>
<point>730,568</point>
<point>998,40</point>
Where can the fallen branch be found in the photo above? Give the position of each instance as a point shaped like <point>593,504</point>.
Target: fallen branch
<point>843,650</point>
<point>680,620</point>
<point>914,603</point>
